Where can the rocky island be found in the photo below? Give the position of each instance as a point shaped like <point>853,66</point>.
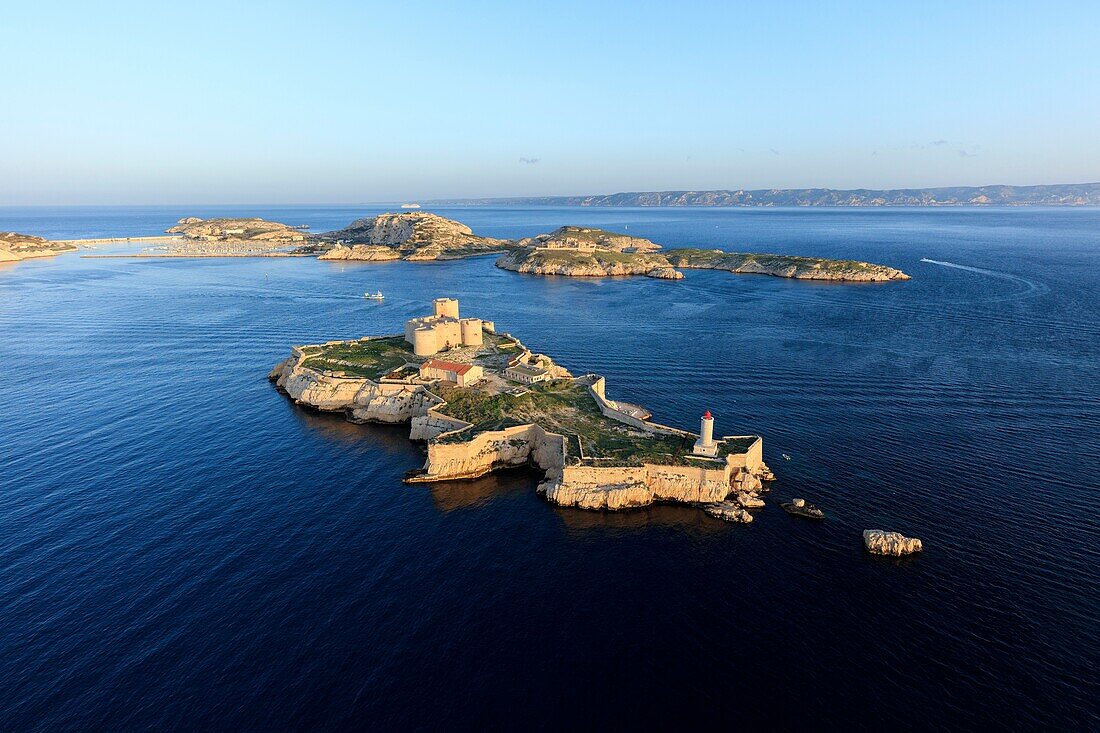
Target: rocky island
<point>601,254</point>
<point>415,236</point>
<point>15,247</point>
<point>232,237</point>
<point>482,401</point>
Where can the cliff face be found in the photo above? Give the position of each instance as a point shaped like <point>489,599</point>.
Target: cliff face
<point>236,230</point>
<point>587,263</point>
<point>15,247</point>
<point>412,236</point>
<point>361,399</point>
<point>570,237</point>
<point>361,253</point>
<point>589,487</point>
<point>456,453</point>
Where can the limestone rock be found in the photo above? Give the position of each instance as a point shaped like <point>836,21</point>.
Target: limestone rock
<point>800,508</point>
<point>585,263</point>
<point>665,273</point>
<point>361,253</point>
<point>573,237</point>
<point>412,236</point>
<point>800,268</point>
<point>728,511</point>
<point>749,501</point>
<point>881,542</point>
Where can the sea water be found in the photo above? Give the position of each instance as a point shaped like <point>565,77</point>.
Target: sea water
<point>182,547</point>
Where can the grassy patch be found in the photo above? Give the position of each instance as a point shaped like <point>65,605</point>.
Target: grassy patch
<point>564,407</point>
<point>372,359</point>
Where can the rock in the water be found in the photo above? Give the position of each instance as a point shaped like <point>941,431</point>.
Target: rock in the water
<point>728,511</point>
<point>800,508</point>
<point>881,542</point>
<point>749,501</point>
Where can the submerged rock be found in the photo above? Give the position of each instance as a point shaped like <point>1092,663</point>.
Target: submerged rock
<point>881,542</point>
<point>728,511</point>
<point>800,508</point>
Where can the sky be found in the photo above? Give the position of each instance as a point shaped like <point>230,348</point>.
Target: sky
<point>358,102</point>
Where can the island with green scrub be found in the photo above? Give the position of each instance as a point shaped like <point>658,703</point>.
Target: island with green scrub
<point>482,401</point>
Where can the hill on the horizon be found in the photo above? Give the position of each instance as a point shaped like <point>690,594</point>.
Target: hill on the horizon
<point>1068,194</point>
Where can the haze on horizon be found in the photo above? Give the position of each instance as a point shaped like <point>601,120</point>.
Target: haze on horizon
<point>345,102</point>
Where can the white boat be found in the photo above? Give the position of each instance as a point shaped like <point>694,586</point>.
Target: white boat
<point>410,206</point>
<point>374,296</point>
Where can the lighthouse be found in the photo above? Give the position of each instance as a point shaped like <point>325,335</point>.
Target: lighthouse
<point>706,445</point>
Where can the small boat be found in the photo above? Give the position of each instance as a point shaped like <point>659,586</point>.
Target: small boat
<point>786,457</point>
<point>374,296</point>
<point>410,206</point>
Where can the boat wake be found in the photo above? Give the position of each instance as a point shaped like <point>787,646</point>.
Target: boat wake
<point>1031,288</point>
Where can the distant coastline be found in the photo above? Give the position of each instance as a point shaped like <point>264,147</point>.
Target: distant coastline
<point>1063,194</point>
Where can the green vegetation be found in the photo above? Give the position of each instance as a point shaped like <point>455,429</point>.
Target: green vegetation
<point>372,359</point>
<point>782,265</point>
<point>565,407</point>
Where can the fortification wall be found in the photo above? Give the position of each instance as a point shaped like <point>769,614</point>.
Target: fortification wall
<point>593,487</point>
<point>598,389</point>
<point>515,446</point>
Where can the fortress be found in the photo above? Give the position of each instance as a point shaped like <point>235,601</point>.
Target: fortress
<point>444,329</point>
<point>491,402</point>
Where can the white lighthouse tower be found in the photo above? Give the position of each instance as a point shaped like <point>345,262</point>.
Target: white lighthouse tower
<point>706,445</point>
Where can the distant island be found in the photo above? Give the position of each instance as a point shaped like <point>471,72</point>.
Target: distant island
<point>416,236</point>
<point>483,401</point>
<point>15,247</point>
<point>1068,194</point>
<point>569,251</point>
<point>582,252</point>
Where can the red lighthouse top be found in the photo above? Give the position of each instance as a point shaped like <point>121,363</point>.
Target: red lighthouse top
<point>706,415</point>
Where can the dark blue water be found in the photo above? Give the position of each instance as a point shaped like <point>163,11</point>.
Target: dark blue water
<point>181,547</point>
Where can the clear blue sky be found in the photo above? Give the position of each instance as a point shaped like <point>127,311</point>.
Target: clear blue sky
<point>279,102</point>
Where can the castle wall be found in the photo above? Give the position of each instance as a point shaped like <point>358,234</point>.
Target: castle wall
<point>446,307</point>
<point>471,331</point>
<point>514,446</point>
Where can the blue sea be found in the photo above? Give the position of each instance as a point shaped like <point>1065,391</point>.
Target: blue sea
<point>183,548</point>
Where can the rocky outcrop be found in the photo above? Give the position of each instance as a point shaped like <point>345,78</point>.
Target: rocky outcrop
<point>799,508</point>
<point>15,246</point>
<point>412,236</point>
<point>361,253</point>
<point>591,263</point>
<point>665,273</point>
<point>574,238</point>
<point>590,487</point>
<point>881,542</point>
<point>604,263</point>
<point>361,399</point>
<point>252,230</point>
<point>799,268</point>
<point>728,511</point>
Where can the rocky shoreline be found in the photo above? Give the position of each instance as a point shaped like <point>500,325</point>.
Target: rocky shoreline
<point>636,472</point>
<point>15,247</point>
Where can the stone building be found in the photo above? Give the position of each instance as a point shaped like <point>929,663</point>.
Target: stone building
<point>462,375</point>
<point>444,329</point>
<point>526,373</point>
